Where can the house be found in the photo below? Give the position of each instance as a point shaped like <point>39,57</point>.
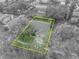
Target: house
<point>41,9</point>
<point>75,14</point>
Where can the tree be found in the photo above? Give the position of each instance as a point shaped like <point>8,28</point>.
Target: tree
<point>71,9</point>
<point>61,12</point>
<point>57,12</point>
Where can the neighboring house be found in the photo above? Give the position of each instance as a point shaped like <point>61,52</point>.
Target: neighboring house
<point>75,18</point>
<point>19,21</point>
<point>2,0</point>
<point>8,19</point>
<point>41,9</point>
<point>5,18</point>
<point>75,14</point>
<point>62,2</point>
<point>44,1</point>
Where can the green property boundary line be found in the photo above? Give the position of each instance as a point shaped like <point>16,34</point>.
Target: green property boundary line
<point>46,20</point>
<point>30,49</point>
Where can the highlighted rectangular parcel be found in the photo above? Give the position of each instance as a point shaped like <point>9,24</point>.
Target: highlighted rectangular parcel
<point>34,37</point>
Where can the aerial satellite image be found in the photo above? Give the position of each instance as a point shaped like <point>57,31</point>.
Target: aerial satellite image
<point>39,29</point>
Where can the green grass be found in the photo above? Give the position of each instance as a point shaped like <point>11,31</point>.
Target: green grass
<point>28,35</point>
